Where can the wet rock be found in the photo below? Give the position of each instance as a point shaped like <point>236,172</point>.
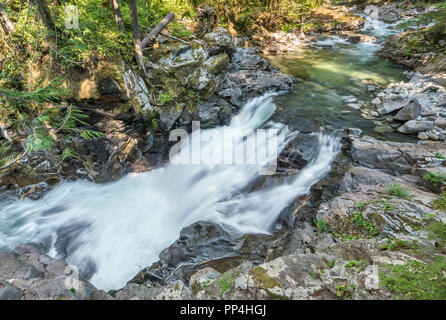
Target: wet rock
<point>409,112</point>
<point>9,292</point>
<point>198,242</point>
<point>241,85</point>
<point>415,126</point>
<point>110,90</point>
<point>216,64</point>
<point>372,153</point>
<point>351,100</point>
<point>218,41</point>
<point>376,101</point>
<point>394,157</point>
<point>249,59</point>
<point>422,136</point>
<point>354,38</point>
<point>168,116</point>
<point>440,122</point>
<point>216,111</point>
<point>393,105</point>
<point>200,79</point>
<point>25,273</point>
<point>298,152</point>
<point>356,106</point>
<point>389,15</point>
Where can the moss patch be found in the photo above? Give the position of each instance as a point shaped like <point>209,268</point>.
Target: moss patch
<point>262,278</point>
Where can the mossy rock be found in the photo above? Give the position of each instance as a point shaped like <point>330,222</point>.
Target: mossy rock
<point>262,279</point>
<point>216,64</point>
<point>437,32</point>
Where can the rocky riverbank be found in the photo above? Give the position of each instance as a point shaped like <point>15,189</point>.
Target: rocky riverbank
<point>416,107</point>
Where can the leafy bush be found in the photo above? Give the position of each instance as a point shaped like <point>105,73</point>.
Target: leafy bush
<point>438,155</point>
<point>397,244</point>
<point>44,121</point>
<point>359,220</point>
<point>322,225</point>
<point>397,190</point>
<point>224,283</point>
<point>434,178</point>
<point>440,204</point>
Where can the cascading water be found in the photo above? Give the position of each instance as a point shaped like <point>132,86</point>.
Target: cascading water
<point>124,225</point>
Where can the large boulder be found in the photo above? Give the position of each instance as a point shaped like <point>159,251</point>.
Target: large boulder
<point>27,274</point>
<point>110,90</point>
<point>409,112</point>
<point>168,116</point>
<point>415,126</point>
<point>249,59</point>
<point>440,122</point>
<point>376,154</point>
<point>394,157</point>
<point>242,85</point>
<point>393,104</point>
<point>218,41</point>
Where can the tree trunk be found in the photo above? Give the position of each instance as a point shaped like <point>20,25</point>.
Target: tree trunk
<point>136,33</point>
<point>149,6</point>
<point>156,31</point>
<point>118,16</point>
<point>5,22</point>
<point>44,13</point>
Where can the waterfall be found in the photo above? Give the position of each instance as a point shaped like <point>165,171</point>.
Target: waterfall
<point>123,226</point>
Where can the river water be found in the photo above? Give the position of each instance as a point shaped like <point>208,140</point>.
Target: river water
<point>332,69</point>
<point>117,228</point>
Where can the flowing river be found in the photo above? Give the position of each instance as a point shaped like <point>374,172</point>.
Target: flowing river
<point>116,228</point>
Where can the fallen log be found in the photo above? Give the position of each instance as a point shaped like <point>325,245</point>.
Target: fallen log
<point>172,37</point>
<point>156,31</point>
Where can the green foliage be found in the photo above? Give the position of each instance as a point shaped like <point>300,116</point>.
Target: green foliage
<point>322,225</point>
<point>397,190</point>
<point>434,178</point>
<point>331,264</point>
<point>348,237</point>
<point>438,155</point>
<point>45,122</point>
<point>358,265</point>
<point>166,97</point>
<point>204,284</point>
<point>271,15</point>
<point>225,283</point>
<point>440,204</point>
<point>343,291</point>
<point>437,230</point>
<point>417,280</point>
<point>359,220</point>
<point>179,30</point>
<point>398,244</point>
<point>361,205</point>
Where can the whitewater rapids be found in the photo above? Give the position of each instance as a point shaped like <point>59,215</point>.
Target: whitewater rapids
<point>123,226</point>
